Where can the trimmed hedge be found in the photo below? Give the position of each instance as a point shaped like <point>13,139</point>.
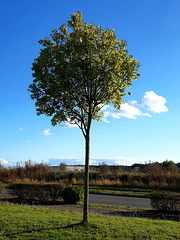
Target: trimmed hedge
<point>166,202</point>
<point>42,193</point>
<point>39,193</point>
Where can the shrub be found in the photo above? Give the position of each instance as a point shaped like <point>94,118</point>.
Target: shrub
<point>170,166</point>
<point>62,167</point>
<point>72,194</point>
<point>165,202</point>
<point>124,178</point>
<point>36,192</point>
<point>156,175</point>
<point>104,168</point>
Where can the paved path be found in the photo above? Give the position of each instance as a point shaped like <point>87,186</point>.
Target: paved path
<point>120,201</point>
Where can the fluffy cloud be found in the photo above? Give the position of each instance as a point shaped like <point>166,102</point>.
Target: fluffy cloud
<point>150,102</point>
<point>129,110</point>
<point>46,132</point>
<point>70,124</point>
<point>4,162</point>
<point>20,129</point>
<point>154,102</point>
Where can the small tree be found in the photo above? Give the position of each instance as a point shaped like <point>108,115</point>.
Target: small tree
<point>62,167</point>
<point>80,69</point>
<point>170,166</point>
<point>104,168</point>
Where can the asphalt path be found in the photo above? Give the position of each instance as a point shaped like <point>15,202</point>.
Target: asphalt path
<point>120,200</point>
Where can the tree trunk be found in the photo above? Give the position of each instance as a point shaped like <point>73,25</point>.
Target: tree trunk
<point>86,178</point>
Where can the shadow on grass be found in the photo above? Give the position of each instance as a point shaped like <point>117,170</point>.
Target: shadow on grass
<point>80,224</point>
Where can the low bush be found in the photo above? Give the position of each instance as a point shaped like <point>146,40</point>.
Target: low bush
<point>72,194</point>
<point>49,192</point>
<point>165,202</point>
<point>36,192</point>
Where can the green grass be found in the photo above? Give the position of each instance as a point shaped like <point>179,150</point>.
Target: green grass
<point>25,222</point>
<point>121,193</point>
<point>127,191</point>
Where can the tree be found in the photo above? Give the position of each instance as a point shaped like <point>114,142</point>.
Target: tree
<point>80,69</point>
<point>62,167</point>
<point>170,166</point>
<point>103,168</point>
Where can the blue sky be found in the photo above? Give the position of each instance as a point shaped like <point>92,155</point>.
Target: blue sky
<point>146,128</point>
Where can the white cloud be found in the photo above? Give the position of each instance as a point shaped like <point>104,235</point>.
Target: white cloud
<point>126,161</point>
<point>128,110</point>
<point>27,141</point>
<point>93,161</point>
<point>46,132</point>
<point>71,161</point>
<point>20,129</point>
<point>105,120</point>
<point>70,125</point>
<point>4,162</point>
<point>154,102</point>
<point>103,108</point>
<point>150,101</point>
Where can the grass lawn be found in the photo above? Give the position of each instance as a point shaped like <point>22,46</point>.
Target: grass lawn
<point>127,191</point>
<point>26,222</point>
<point>132,193</point>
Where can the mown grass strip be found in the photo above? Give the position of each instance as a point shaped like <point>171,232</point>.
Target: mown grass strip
<point>25,222</point>
<point>128,191</point>
<point>120,193</point>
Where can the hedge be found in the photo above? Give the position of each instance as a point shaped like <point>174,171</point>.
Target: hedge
<point>46,192</point>
<point>167,202</point>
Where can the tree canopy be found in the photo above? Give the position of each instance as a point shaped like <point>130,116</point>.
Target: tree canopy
<point>80,69</point>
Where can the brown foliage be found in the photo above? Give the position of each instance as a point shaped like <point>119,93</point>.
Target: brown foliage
<point>153,175</point>
<point>160,176</point>
<point>30,171</point>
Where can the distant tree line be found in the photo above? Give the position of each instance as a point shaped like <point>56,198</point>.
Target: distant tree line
<point>152,174</point>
